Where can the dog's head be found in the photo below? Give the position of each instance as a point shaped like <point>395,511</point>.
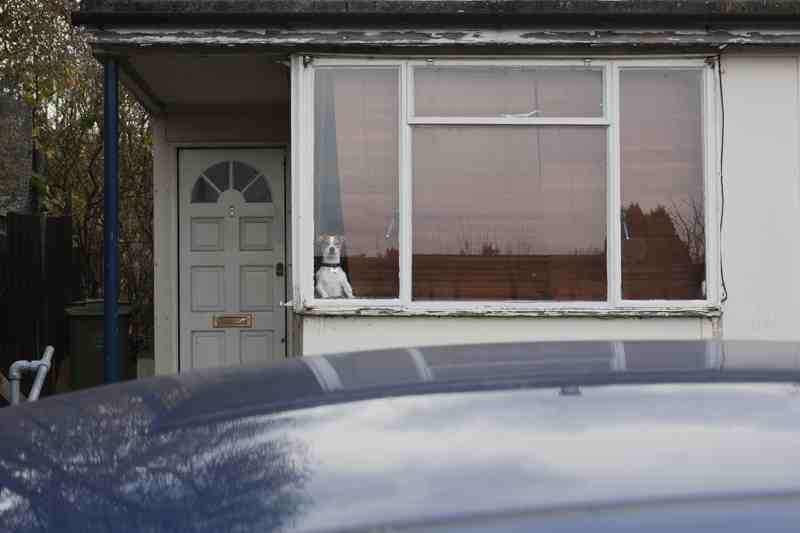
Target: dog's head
<point>331,248</point>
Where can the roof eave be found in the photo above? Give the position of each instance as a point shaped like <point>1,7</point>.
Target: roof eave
<point>484,12</point>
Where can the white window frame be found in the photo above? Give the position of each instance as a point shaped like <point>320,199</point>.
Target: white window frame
<point>302,81</point>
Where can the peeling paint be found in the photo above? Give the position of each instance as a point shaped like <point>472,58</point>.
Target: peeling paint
<point>495,312</point>
<point>416,37</point>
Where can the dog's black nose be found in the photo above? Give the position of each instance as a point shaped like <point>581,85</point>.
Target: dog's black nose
<point>331,250</point>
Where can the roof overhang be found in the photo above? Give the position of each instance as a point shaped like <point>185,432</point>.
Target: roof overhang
<point>673,12</point>
<point>279,40</point>
<point>149,35</point>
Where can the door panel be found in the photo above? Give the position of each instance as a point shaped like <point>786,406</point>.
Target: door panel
<point>207,348</point>
<point>207,288</point>
<point>254,343</point>
<point>231,239</point>
<point>255,233</point>
<point>207,234</point>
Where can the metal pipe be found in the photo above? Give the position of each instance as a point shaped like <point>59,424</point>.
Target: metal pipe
<point>111,355</point>
<point>40,366</point>
<point>41,373</point>
<point>14,377</point>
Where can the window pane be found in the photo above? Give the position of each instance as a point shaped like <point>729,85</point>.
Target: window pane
<point>356,174</point>
<point>509,213</point>
<point>505,91</point>
<point>258,191</point>
<point>663,229</point>
<point>219,175</point>
<point>243,174</point>
<point>203,193</point>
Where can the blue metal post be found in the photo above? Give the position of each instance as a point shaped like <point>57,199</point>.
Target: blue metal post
<point>111,352</point>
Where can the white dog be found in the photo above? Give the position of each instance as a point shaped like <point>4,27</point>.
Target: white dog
<point>331,279</point>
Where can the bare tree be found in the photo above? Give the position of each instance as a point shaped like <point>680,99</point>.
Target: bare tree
<point>689,221</point>
<point>46,62</point>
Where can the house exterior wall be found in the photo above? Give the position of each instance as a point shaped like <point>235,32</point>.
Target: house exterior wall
<point>762,197</point>
<point>761,178</point>
<point>326,334</point>
<point>217,128</point>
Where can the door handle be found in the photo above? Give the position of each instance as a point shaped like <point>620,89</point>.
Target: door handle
<point>279,270</point>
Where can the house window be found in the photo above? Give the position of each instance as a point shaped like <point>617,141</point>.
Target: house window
<point>509,213</point>
<point>356,117</point>
<point>528,184</point>
<point>664,244</point>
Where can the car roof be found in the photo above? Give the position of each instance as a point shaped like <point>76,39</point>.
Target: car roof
<point>345,377</point>
<point>423,434</point>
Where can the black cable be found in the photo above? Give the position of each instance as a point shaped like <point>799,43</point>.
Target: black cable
<point>724,297</point>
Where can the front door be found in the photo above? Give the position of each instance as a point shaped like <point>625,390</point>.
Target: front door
<point>232,276</point>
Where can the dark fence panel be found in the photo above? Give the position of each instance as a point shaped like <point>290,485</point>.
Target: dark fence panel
<point>59,285</point>
<point>36,287</point>
<point>24,286</point>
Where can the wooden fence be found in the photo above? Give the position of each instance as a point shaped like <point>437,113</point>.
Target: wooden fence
<point>36,285</point>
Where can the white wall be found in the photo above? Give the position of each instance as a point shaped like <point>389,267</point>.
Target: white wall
<point>760,239</point>
<point>333,334</point>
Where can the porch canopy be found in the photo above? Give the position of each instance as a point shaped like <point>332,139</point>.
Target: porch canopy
<point>177,56</point>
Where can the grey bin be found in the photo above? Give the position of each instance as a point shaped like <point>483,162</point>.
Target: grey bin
<point>86,343</point>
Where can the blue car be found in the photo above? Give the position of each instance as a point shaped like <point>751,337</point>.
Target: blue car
<point>563,437</point>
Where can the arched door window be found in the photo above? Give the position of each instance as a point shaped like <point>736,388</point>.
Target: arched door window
<point>226,175</point>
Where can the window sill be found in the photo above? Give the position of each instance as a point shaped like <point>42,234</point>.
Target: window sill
<point>702,311</point>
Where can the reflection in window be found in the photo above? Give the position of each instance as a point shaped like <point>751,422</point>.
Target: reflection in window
<point>219,175</point>
<point>246,180</point>
<point>509,213</point>
<point>508,91</point>
<point>663,229</point>
<point>203,192</point>
<point>243,175</point>
<point>356,173</point>
<point>258,191</point>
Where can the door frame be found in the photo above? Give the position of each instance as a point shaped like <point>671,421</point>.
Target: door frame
<point>175,150</point>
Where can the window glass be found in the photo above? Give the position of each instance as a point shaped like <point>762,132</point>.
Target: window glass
<point>663,229</point>
<point>219,175</point>
<point>356,175</point>
<point>203,192</point>
<point>509,213</point>
<point>258,191</point>
<point>243,175</point>
<point>507,91</point>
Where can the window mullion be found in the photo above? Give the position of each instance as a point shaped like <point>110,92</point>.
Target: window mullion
<point>405,183</point>
<point>614,247</point>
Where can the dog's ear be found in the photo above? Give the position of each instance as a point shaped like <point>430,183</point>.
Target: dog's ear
<point>322,238</point>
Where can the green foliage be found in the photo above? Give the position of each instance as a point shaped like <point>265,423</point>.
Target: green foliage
<point>47,63</point>
<point>39,184</point>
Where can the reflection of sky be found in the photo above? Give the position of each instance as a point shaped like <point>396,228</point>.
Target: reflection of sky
<point>525,192</point>
<point>400,458</point>
<point>201,452</point>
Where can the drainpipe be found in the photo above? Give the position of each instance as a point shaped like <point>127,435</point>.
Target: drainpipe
<point>111,355</point>
<point>41,367</point>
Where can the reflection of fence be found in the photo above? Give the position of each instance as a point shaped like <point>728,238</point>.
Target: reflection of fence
<point>529,277</point>
<point>510,277</point>
<point>35,286</point>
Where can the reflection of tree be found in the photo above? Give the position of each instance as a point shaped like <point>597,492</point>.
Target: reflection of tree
<point>690,225</point>
<point>657,263</point>
<point>109,467</point>
<point>686,227</point>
